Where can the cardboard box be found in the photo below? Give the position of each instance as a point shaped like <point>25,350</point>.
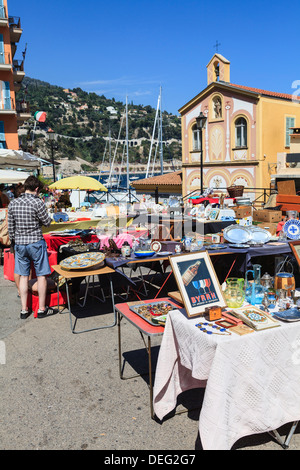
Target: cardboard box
<point>271,227</point>
<point>265,215</point>
<point>242,211</point>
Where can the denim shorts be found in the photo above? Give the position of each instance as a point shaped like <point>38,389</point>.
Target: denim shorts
<point>35,253</point>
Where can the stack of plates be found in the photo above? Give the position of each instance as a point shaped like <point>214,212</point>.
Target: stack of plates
<point>243,201</point>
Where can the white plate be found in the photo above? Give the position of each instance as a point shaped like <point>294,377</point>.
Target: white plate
<point>164,253</point>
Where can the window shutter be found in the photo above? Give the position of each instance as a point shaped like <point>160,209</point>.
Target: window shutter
<point>6,95</point>
<point>2,57</point>
<point>2,134</point>
<point>289,122</point>
<point>2,9</point>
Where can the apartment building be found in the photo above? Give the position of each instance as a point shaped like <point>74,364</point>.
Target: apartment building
<point>12,113</point>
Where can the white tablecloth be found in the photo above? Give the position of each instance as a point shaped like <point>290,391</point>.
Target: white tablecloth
<point>253,381</point>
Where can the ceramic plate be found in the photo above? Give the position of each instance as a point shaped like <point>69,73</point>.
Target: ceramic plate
<point>259,235</point>
<point>83,261</point>
<point>165,253</point>
<point>292,229</point>
<point>156,246</point>
<point>292,314</point>
<point>237,234</point>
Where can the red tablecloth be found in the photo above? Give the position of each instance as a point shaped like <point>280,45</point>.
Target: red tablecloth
<point>210,200</point>
<point>9,263</point>
<point>55,241</point>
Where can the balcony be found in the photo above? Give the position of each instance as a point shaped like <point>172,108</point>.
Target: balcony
<point>18,70</point>
<point>23,111</point>
<point>7,106</point>
<point>3,16</point>
<point>15,28</point>
<point>5,61</point>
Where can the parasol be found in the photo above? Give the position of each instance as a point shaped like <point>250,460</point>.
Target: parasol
<point>78,182</point>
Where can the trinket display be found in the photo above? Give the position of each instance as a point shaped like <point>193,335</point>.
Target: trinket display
<point>220,330</point>
<point>152,311</point>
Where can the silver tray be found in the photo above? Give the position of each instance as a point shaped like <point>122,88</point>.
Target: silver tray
<point>259,235</point>
<point>238,245</point>
<point>237,234</point>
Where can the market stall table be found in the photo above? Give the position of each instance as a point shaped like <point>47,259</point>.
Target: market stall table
<point>180,226</point>
<point>55,241</point>
<point>154,263</point>
<point>252,381</point>
<point>87,273</point>
<point>144,328</point>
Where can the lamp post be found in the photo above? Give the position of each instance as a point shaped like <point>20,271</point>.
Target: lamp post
<point>201,123</point>
<point>51,138</point>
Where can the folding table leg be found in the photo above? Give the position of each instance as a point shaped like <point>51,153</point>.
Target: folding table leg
<point>148,348</point>
<point>96,328</point>
<point>284,443</point>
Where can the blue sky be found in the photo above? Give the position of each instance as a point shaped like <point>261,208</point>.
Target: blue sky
<point>129,47</point>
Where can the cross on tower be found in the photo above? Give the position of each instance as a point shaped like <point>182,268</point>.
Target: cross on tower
<point>217,46</point>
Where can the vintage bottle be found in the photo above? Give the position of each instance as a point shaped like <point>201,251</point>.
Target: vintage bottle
<point>190,273</point>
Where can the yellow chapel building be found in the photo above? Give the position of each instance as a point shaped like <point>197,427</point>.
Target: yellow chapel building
<point>246,128</point>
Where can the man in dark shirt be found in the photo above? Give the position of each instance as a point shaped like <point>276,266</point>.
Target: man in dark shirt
<point>26,215</point>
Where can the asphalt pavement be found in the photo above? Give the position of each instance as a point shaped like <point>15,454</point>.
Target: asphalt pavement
<point>62,391</point>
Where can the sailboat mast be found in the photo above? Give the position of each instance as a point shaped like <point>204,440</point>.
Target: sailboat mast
<point>127,150</point>
<point>161,143</point>
<point>152,140</point>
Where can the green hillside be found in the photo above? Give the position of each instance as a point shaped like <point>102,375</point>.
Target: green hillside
<point>84,120</point>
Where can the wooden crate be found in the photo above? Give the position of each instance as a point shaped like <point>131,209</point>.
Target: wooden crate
<point>288,202</point>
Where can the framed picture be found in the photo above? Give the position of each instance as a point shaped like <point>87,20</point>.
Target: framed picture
<point>213,215</point>
<point>295,247</point>
<point>197,282</point>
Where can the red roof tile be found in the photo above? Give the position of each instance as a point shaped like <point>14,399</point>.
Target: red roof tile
<point>167,179</point>
<point>284,96</point>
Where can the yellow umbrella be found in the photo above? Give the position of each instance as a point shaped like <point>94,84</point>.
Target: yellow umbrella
<point>84,183</point>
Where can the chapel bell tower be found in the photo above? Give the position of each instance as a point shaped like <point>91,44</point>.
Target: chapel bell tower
<point>218,69</point>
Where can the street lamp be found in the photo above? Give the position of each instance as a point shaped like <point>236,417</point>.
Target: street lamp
<point>51,138</point>
<point>201,123</point>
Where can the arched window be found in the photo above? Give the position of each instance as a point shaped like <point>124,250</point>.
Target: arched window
<point>241,132</point>
<point>196,138</point>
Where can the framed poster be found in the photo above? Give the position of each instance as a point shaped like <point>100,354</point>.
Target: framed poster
<point>295,247</point>
<point>197,282</point>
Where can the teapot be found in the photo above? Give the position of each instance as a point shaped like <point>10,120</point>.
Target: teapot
<point>267,281</point>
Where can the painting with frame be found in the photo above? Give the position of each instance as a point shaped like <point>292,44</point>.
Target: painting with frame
<point>197,282</point>
<point>295,247</point>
